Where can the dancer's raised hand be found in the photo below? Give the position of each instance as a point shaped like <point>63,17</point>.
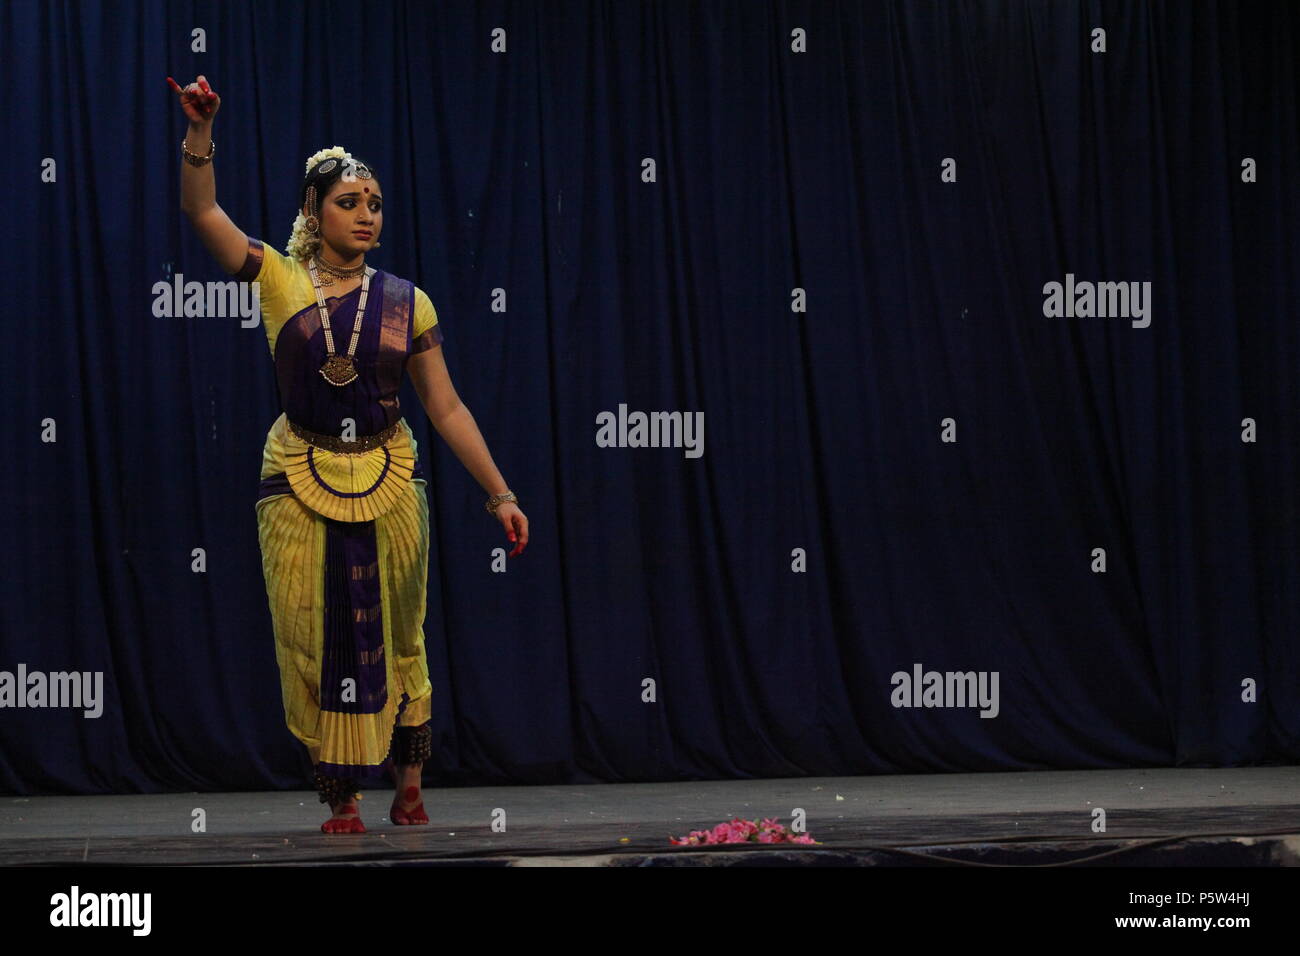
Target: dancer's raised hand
<point>198,100</point>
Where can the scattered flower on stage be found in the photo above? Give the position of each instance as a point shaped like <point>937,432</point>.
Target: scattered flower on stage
<point>743,831</point>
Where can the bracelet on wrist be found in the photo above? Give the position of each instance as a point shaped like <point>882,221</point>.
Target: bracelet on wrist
<point>194,159</point>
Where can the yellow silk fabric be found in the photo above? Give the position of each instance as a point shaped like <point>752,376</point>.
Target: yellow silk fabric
<point>292,539</point>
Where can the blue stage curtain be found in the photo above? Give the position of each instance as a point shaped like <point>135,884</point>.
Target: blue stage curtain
<point>854,210</point>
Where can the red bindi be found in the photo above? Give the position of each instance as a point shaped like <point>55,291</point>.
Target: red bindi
<point>367,188</point>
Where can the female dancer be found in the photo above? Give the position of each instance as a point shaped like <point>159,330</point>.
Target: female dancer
<point>342,515</point>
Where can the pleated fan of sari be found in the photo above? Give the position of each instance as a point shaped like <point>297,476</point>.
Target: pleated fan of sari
<point>349,486</point>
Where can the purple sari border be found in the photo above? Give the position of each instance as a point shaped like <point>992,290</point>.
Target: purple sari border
<point>429,338</point>
<point>252,262</point>
<point>277,484</point>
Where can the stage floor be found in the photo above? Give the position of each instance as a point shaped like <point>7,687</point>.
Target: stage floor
<point>883,820</point>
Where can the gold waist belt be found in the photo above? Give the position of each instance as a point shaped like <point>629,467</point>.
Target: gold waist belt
<point>334,443</point>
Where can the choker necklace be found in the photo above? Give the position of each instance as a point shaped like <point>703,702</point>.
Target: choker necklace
<point>340,369</point>
<point>339,271</point>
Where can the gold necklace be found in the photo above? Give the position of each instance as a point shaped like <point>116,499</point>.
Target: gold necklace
<point>339,271</point>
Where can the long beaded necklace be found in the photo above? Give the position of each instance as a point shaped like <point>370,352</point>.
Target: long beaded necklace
<point>340,369</point>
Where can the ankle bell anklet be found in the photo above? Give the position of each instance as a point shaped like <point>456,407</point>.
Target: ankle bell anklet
<point>412,744</point>
<point>335,789</point>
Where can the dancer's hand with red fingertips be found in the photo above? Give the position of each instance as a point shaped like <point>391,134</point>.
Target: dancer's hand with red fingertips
<point>515,523</point>
<point>198,100</point>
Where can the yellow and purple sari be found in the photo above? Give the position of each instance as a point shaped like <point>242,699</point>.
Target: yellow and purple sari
<point>343,521</point>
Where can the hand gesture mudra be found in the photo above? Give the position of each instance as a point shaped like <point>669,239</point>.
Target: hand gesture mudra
<point>197,100</point>
<point>515,523</point>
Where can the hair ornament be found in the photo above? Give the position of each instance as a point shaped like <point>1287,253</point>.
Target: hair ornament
<point>305,237</point>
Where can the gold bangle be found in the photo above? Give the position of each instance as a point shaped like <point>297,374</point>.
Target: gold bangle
<point>194,159</point>
<point>495,500</point>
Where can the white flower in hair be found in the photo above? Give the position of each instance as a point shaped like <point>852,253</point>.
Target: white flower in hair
<point>301,243</point>
<point>338,151</point>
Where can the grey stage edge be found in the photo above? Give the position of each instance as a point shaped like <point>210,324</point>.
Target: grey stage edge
<point>876,820</point>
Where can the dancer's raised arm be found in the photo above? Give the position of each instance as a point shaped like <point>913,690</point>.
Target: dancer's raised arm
<point>226,241</point>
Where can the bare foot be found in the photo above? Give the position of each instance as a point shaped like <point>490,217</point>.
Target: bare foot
<point>346,819</point>
<point>408,807</point>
